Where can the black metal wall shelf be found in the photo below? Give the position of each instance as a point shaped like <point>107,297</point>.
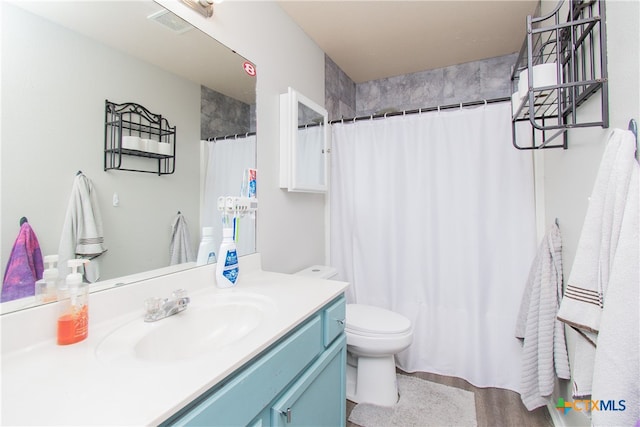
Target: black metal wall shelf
<point>133,120</point>
<point>577,49</point>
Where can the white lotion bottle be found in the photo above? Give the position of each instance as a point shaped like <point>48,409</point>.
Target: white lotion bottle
<point>227,270</point>
<point>206,250</point>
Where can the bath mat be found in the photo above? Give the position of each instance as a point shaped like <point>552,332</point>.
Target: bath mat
<point>422,404</point>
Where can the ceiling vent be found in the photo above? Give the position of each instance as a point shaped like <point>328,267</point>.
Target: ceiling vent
<point>171,21</point>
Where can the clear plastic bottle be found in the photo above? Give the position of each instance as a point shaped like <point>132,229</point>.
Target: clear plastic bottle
<point>46,287</point>
<point>73,322</point>
<point>206,250</point>
<point>227,270</point>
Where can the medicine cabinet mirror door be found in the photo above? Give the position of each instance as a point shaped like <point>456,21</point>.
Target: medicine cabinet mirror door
<point>304,144</point>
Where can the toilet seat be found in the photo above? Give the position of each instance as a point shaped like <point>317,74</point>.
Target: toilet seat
<point>366,320</point>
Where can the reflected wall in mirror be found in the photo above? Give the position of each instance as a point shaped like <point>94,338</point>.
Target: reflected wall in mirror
<point>60,61</point>
<point>304,144</point>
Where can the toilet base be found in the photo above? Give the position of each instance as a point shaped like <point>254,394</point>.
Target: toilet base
<point>373,380</point>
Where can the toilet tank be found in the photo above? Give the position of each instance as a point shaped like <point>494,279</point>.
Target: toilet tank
<point>319,272</point>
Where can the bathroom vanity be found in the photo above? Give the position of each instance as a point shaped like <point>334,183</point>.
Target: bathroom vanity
<point>270,351</point>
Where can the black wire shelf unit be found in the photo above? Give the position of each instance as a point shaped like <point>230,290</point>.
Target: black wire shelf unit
<point>133,120</point>
<point>577,48</point>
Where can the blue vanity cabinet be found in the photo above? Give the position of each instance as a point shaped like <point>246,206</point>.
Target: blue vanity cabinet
<point>300,380</point>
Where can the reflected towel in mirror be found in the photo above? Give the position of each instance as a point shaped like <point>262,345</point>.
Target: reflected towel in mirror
<point>25,266</point>
<point>180,250</point>
<point>82,235</point>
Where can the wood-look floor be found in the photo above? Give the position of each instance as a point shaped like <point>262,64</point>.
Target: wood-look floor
<point>494,407</point>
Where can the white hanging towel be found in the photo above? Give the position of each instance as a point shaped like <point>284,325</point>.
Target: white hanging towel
<point>616,371</point>
<point>585,294</point>
<point>82,235</point>
<point>180,250</point>
<point>544,352</point>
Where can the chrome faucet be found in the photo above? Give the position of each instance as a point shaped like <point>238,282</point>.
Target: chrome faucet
<point>159,308</point>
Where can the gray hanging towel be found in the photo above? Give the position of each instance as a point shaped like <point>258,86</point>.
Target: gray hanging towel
<point>82,235</point>
<point>180,250</point>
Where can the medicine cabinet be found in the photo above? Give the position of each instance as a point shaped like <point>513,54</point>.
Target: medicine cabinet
<point>304,144</point>
<point>562,63</point>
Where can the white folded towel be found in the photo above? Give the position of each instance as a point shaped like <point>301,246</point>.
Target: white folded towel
<point>584,298</point>
<point>616,371</point>
<point>180,250</point>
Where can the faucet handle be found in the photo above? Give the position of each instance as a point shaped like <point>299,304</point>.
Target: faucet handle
<point>152,307</point>
<point>178,294</point>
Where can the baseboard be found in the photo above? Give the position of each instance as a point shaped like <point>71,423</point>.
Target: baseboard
<point>556,418</point>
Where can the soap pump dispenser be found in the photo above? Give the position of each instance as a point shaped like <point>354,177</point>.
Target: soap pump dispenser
<point>73,322</point>
<point>47,286</point>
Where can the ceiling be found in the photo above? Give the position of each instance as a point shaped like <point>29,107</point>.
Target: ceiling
<point>370,40</point>
<point>166,41</point>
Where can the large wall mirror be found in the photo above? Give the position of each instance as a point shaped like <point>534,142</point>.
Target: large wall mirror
<point>60,61</point>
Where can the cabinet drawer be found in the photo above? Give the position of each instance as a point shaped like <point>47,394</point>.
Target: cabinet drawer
<point>333,320</point>
<point>247,394</point>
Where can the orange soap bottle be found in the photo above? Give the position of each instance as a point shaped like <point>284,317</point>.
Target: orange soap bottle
<point>73,321</point>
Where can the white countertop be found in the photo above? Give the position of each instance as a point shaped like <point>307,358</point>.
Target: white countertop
<point>47,384</point>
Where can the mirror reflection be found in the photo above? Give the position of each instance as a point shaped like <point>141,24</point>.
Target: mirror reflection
<point>60,62</point>
<point>310,147</point>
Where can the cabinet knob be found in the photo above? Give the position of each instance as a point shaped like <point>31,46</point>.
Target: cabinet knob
<point>341,321</point>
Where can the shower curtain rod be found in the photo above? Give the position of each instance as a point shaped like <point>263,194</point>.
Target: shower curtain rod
<point>421,110</point>
<point>232,136</point>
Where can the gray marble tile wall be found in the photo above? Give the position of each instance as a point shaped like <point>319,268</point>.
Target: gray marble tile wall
<point>471,81</point>
<point>339,91</point>
<point>221,115</point>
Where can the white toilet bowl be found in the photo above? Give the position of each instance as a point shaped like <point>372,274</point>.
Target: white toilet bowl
<point>374,336</point>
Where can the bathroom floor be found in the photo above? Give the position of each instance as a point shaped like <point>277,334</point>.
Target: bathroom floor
<point>494,407</point>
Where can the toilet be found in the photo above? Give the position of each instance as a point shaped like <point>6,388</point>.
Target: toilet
<point>374,336</point>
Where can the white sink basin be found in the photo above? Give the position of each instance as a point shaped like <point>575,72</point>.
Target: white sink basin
<point>209,323</point>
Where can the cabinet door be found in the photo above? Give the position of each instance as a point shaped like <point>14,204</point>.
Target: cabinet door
<point>247,394</point>
<point>318,397</point>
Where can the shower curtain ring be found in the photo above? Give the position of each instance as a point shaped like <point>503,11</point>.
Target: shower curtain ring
<point>461,105</point>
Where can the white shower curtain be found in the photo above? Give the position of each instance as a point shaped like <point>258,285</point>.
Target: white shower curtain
<point>432,216</point>
<point>226,163</point>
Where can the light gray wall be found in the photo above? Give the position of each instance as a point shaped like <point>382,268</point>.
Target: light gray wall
<point>569,174</point>
<point>54,85</point>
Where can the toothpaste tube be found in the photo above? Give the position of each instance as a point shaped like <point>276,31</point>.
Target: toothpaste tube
<point>251,178</point>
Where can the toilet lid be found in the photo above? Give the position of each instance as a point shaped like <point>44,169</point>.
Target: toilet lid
<point>376,320</point>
